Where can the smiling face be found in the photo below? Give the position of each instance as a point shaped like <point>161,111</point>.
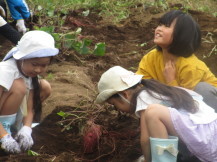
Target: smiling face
<point>164,35</point>
<point>35,66</point>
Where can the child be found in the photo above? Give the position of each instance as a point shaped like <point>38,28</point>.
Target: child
<point>5,29</point>
<point>21,92</point>
<point>8,31</point>
<point>165,113</point>
<point>177,37</point>
<point>19,11</point>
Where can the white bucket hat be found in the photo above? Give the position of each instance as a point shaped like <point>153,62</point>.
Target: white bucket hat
<point>115,80</point>
<point>33,44</point>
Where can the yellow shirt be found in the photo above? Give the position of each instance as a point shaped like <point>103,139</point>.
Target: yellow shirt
<point>189,71</point>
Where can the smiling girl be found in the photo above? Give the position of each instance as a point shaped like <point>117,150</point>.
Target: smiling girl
<point>21,92</point>
<point>173,61</point>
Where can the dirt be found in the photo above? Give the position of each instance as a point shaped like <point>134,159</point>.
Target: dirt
<point>74,78</point>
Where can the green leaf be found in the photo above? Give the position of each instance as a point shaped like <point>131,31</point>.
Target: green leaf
<point>70,36</point>
<point>99,49</point>
<point>67,44</point>
<point>76,46</point>
<point>84,49</point>
<point>56,36</point>
<point>50,13</point>
<point>32,153</point>
<point>49,29</point>
<point>63,114</point>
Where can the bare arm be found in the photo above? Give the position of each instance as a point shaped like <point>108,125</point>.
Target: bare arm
<point>144,139</point>
<point>170,71</point>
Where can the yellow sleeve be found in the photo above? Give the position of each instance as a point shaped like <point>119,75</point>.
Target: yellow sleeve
<point>142,69</point>
<point>189,79</point>
<point>146,66</point>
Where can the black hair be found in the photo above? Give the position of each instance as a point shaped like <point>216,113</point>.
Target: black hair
<point>186,34</point>
<point>176,97</point>
<point>37,104</point>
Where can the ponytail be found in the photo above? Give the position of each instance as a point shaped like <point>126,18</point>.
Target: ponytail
<point>178,98</point>
<point>37,105</point>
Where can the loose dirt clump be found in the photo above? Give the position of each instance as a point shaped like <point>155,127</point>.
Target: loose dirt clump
<point>61,138</point>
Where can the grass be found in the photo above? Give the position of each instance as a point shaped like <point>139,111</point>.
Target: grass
<point>52,13</point>
<point>114,9</point>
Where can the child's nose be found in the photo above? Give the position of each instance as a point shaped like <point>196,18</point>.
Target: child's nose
<point>159,28</point>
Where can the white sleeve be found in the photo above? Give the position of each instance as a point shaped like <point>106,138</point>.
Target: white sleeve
<point>194,94</point>
<point>143,100</point>
<point>7,76</point>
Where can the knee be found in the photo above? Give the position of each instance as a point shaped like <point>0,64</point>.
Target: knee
<point>18,87</point>
<point>203,87</point>
<point>206,90</point>
<point>151,113</point>
<point>45,89</point>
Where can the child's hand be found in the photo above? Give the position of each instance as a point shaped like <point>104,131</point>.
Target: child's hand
<point>21,26</point>
<point>169,71</point>
<point>9,144</point>
<point>24,138</point>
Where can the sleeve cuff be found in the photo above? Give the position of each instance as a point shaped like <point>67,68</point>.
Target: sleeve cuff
<point>2,21</point>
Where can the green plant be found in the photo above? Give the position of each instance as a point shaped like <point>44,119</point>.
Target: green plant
<point>72,118</point>
<point>63,114</point>
<point>214,14</point>
<point>162,4</point>
<point>212,52</point>
<point>50,76</point>
<point>74,41</point>
<point>208,38</point>
<point>32,153</point>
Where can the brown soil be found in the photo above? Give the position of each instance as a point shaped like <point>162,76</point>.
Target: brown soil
<point>74,79</point>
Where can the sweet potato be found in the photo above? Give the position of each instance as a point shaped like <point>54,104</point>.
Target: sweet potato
<point>91,136</point>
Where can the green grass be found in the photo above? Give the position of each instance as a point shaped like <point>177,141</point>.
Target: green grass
<point>114,9</point>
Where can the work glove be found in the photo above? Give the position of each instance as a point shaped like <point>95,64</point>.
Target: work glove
<point>8,144</point>
<point>24,138</point>
<point>21,26</point>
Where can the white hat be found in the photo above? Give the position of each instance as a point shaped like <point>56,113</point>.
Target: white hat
<point>115,80</point>
<point>33,44</point>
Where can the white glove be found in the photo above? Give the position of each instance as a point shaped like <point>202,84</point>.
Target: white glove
<point>9,144</point>
<point>21,26</point>
<point>24,138</point>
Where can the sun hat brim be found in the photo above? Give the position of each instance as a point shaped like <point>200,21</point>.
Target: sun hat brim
<point>40,53</point>
<point>106,94</point>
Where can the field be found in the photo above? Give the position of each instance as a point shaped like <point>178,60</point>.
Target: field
<point>70,111</point>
